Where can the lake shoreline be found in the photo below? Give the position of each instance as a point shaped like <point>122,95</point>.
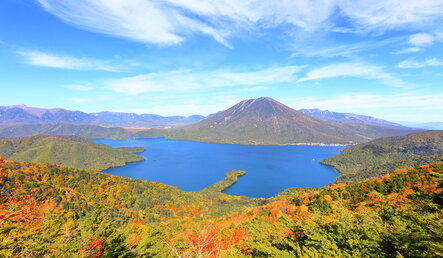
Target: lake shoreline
<point>193,166</point>
<point>317,144</point>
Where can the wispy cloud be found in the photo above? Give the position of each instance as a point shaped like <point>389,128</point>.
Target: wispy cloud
<point>78,87</point>
<point>407,50</point>
<point>158,22</point>
<point>419,41</point>
<point>186,80</point>
<point>172,21</point>
<point>328,49</point>
<point>420,64</point>
<point>37,58</point>
<point>354,69</point>
<point>383,15</point>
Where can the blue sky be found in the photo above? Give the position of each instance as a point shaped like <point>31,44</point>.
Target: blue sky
<point>180,57</point>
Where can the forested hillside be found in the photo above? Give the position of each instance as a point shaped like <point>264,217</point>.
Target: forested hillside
<point>383,155</point>
<point>72,151</point>
<point>50,210</point>
<point>88,131</point>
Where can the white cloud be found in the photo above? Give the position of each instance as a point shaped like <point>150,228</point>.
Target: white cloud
<point>157,22</point>
<point>353,69</point>
<point>407,50</point>
<point>384,15</point>
<point>79,87</point>
<point>172,21</point>
<point>187,80</point>
<point>420,64</point>
<point>43,59</point>
<point>421,39</point>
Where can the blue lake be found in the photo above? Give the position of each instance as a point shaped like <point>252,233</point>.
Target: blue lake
<point>192,166</point>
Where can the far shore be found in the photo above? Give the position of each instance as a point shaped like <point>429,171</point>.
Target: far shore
<point>319,144</point>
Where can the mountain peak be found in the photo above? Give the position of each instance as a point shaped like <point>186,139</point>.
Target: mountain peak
<point>261,100</point>
<point>260,107</point>
<point>267,121</point>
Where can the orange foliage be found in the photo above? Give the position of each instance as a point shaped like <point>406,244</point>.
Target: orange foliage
<point>25,211</point>
<point>95,247</point>
<point>336,186</point>
<point>205,242</point>
<point>433,188</point>
<point>407,190</point>
<point>327,197</point>
<point>298,212</point>
<point>234,236</point>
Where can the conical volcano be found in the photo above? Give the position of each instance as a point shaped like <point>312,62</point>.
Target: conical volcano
<point>267,121</point>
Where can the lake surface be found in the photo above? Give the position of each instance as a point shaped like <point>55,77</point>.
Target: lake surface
<point>192,166</point>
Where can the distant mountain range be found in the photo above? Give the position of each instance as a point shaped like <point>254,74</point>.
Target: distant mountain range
<point>22,114</point>
<point>267,121</point>
<point>349,118</point>
<point>255,121</point>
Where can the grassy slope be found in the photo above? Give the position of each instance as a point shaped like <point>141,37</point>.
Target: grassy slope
<point>53,210</point>
<point>73,151</point>
<point>381,156</point>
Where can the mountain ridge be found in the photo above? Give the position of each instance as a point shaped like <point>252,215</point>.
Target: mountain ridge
<point>349,118</point>
<point>22,114</point>
<point>267,121</point>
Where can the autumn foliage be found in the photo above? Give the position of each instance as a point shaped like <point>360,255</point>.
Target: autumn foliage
<point>50,210</point>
